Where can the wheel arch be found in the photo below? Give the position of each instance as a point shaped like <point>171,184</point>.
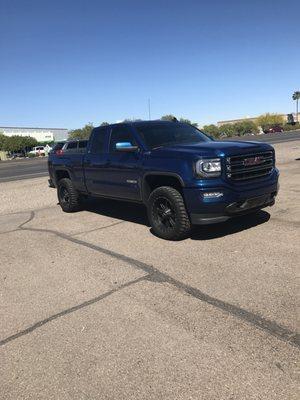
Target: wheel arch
<point>62,173</point>
<point>153,180</point>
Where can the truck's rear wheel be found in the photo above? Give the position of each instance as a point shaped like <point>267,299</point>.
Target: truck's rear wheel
<point>167,214</point>
<point>68,197</point>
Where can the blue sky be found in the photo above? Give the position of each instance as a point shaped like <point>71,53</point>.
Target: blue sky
<point>64,63</point>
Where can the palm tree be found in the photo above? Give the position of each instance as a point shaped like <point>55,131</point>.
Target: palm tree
<point>296,96</point>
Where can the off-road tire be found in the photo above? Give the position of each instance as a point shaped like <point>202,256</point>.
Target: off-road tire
<point>72,201</point>
<point>180,225</point>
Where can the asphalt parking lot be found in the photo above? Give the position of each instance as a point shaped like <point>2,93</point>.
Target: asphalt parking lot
<point>93,306</point>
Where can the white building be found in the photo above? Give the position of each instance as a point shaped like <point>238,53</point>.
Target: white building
<point>40,134</point>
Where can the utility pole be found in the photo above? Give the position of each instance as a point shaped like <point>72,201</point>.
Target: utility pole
<point>149,109</point>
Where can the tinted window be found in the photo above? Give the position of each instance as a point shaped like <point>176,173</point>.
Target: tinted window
<point>160,134</point>
<point>59,146</point>
<point>72,145</point>
<point>82,144</point>
<point>121,133</point>
<point>98,141</point>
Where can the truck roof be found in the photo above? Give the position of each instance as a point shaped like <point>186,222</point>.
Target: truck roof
<point>143,122</point>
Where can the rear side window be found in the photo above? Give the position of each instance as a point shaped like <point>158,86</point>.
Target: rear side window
<point>119,134</point>
<point>98,141</point>
<point>72,146</point>
<point>82,144</point>
<point>59,146</point>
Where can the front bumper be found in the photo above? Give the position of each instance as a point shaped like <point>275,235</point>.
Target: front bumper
<point>234,201</point>
<point>235,209</point>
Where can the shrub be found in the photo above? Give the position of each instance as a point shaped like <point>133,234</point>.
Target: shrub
<point>2,141</point>
<point>245,127</point>
<point>227,130</point>
<point>188,121</point>
<point>82,133</point>
<point>290,127</point>
<point>211,130</point>
<point>168,117</point>
<point>268,120</point>
<point>31,155</point>
<point>17,143</point>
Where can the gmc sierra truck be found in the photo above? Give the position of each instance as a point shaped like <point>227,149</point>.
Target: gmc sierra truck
<point>183,176</point>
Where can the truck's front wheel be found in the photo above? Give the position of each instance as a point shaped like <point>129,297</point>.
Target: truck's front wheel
<point>167,214</point>
<point>68,197</point>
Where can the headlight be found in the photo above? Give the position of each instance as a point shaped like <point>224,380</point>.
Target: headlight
<point>208,168</point>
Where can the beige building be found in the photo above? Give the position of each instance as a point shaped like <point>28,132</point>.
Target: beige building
<point>233,121</point>
<point>40,134</point>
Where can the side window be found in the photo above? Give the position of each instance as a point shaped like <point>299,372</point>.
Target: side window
<point>71,147</point>
<point>82,144</point>
<point>121,133</point>
<point>98,141</point>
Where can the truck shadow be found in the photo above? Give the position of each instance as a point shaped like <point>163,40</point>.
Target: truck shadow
<point>233,225</point>
<point>131,212</point>
<point>136,213</point>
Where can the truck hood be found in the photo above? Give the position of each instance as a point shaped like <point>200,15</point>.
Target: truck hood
<point>215,148</point>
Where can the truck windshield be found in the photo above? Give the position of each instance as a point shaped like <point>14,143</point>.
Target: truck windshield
<point>162,134</point>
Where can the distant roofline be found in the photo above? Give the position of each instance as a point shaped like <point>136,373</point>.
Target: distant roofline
<point>239,119</point>
<point>252,118</point>
<point>26,127</point>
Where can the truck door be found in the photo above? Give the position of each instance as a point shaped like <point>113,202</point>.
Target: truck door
<point>124,164</point>
<point>96,161</point>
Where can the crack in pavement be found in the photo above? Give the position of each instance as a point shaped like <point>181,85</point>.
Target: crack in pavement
<point>13,230</point>
<point>26,211</point>
<point>69,311</point>
<point>98,229</point>
<point>153,274</point>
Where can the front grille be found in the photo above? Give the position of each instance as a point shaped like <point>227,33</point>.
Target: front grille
<point>250,166</point>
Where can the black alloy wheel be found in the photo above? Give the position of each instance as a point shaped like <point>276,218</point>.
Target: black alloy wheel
<point>167,214</point>
<point>68,197</point>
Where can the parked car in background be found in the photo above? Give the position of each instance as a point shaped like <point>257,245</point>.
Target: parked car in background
<point>38,151</point>
<point>273,129</point>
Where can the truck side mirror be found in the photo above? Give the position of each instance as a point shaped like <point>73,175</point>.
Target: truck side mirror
<point>126,147</point>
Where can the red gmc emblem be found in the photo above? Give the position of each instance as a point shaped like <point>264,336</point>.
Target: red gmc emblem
<point>253,161</point>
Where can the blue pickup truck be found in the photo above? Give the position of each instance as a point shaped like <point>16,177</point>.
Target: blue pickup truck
<point>183,176</point>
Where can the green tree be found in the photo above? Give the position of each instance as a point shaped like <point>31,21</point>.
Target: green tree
<point>296,97</point>
<point>188,121</point>
<point>245,127</point>
<point>82,133</point>
<point>291,127</point>
<point>211,130</point>
<point>29,141</point>
<point>269,120</point>
<point>17,143</point>
<point>227,130</point>
<point>2,141</point>
<point>168,117</point>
